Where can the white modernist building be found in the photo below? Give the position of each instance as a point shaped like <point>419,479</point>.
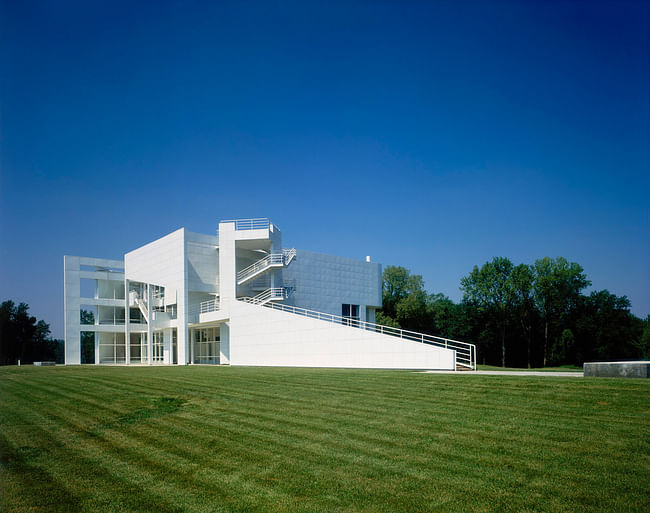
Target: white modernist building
<point>239,298</point>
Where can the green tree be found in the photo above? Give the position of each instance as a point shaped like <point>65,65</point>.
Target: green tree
<point>394,288</point>
<point>22,336</point>
<point>556,291</point>
<point>490,290</point>
<point>607,328</point>
<point>384,320</point>
<point>644,341</point>
<point>562,348</point>
<point>522,280</point>
<point>443,315</point>
<point>404,299</point>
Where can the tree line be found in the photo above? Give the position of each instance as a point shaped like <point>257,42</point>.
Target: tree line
<point>24,338</point>
<point>521,315</point>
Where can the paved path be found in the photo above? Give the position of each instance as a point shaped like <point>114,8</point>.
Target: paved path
<point>550,374</point>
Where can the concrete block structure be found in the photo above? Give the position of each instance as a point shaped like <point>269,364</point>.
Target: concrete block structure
<point>239,298</point>
<point>639,369</point>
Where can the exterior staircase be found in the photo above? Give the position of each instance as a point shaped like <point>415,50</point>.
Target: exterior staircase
<point>270,261</point>
<point>135,298</point>
<point>272,294</point>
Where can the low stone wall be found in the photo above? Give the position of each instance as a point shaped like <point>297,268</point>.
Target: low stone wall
<point>617,369</point>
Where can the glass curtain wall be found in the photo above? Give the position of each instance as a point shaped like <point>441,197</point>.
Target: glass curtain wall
<point>174,346</point>
<point>112,348</point>
<point>157,351</point>
<point>205,345</point>
<point>139,348</point>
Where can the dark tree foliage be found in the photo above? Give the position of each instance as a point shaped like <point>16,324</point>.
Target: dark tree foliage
<point>24,338</point>
<point>87,338</point>
<point>605,327</point>
<point>490,290</point>
<point>521,316</point>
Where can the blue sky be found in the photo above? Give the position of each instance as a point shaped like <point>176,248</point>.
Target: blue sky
<point>433,135</point>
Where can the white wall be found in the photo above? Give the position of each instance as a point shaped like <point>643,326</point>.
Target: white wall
<point>227,261</point>
<point>162,262</point>
<point>202,262</point>
<point>261,336</point>
<point>325,282</point>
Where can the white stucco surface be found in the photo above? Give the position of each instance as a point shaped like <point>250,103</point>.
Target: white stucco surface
<point>271,337</point>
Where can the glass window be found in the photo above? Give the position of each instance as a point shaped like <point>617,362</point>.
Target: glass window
<point>350,314</point>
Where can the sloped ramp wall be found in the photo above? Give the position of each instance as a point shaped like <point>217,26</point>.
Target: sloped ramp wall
<point>263,336</point>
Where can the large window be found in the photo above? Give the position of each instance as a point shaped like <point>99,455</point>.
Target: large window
<point>350,314</point>
<point>205,345</point>
<point>138,348</point>
<point>157,353</point>
<point>112,348</point>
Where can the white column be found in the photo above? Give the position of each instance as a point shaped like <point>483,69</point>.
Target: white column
<point>72,315</point>
<point>227,262</point>
<point>276,247</point>
<point>224,343</point>
<point>149,329</point>
<point>191,342</point>
<point>167,346</point>
<point>127,315</point>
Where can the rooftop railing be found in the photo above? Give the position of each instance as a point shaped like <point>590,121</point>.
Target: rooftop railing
<point>259,223</point>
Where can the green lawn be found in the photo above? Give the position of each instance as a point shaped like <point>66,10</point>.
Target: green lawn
<point>563,368</point>
<point>265,439</point>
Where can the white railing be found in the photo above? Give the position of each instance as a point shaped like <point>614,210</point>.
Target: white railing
<point>289,255</point>
<point>142,305</point>
<point>270,260</point>
<point>465,352</point>
<point>272,294</point>
<point>259,223</point>
<point>209,306</point>
<point>273,259</point>
<point>193,311</point>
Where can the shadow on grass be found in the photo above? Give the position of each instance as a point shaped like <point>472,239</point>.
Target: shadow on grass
<point>40,489</point>
<point>159,407</point>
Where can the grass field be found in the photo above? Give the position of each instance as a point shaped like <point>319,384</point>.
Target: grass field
<point>563,368</point>
<point>168,439</point>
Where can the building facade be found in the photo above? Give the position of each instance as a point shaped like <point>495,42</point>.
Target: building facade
<point>238,298</point>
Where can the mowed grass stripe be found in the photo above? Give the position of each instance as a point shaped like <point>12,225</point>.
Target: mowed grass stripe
<point>65,477</point>
<point>332,440</point>
<point>107,465</point>
<point>90,409</point>
<point>237,459</point>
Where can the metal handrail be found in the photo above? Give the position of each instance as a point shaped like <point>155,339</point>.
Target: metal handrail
<point>272,259</point>
<point>259,223</point>
<point>267,295</point>
<point>211,305</point>
<point>142,304</point>
<point>289,254</point>
<point>465,352</point>
<point>194,310</point>
<point>261,264</point>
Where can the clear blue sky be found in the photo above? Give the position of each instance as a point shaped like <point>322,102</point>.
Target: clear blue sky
<point>433,135</point>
